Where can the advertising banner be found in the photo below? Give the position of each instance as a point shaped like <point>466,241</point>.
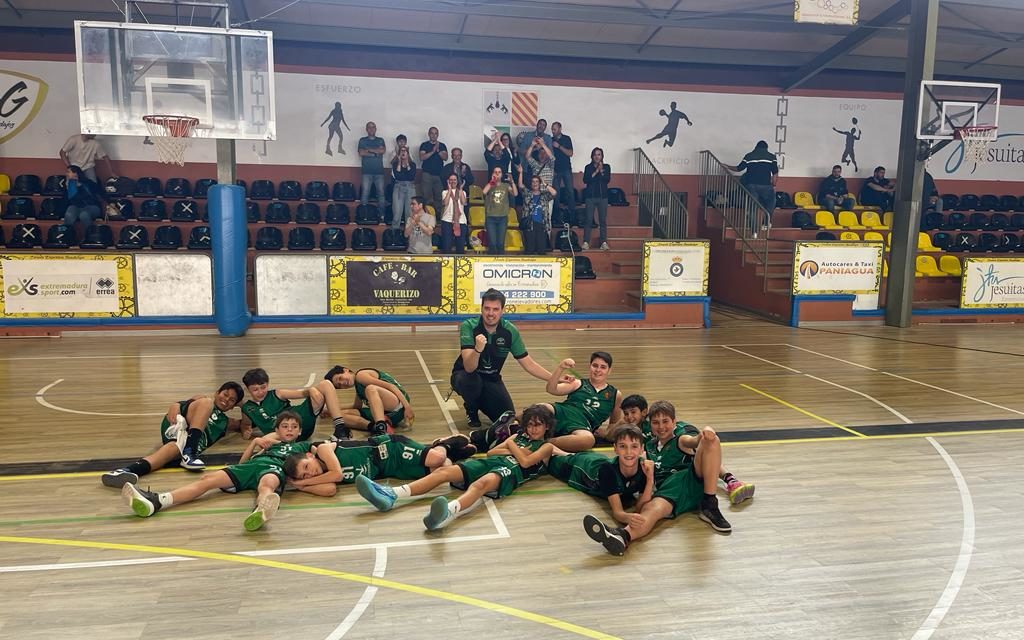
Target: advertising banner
<point>675,268</point>
<point>823,268</point>
<point>407,285</point>
<point>534,284</point>
<point>992,283</point>
<point>66,285</point>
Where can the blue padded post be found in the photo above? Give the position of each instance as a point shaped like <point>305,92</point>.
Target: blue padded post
<point>226,204</point>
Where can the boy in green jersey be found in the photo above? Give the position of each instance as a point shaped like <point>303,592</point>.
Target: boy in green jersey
<point>265,403</point>
<point>587,405</point>
<point>519,459</point>
<point>190,427</point>
<point>328,464</point>
<point>681,484</point>
<point>627,480</point>
<point>381,401</point>
<point>634,411</point>
<point>259,469</point>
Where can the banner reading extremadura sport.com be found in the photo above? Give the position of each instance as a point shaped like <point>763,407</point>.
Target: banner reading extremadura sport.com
<point>66,285</point>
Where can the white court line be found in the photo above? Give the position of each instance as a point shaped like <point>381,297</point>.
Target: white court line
<point>955,393</point>
<point>824,355</point>
<point>894,412</point>
<point>91,565</point>
<point>41,400</point>
<point>380,563</point>
<point>963,559</point>
<point>333,352</point>
<point>437,395</point>
<point>499,524</point>
<point>750,355</point>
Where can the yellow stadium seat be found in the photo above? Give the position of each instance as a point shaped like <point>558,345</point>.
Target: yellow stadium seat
<point>927,266</point>
<point>871,220</point>
<point>5,183</point>
<point>513,218</point>
<point>855,207</point>
<point>924,243</point>
<point>429,208</point>
<point>849,236</point>
<point>950,265</point>
<point>513,241</point>
<point>887,219</point>
<point>479,246</point>
<point>873,236</point>
<point>476,194</point>
<point>476,216</point>
<point>849,220</point>
<point>826,220</point>
<point>803,200</point>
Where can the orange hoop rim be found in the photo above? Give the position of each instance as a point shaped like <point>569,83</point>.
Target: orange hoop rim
<point>974,132</point>
<point>174,126</point>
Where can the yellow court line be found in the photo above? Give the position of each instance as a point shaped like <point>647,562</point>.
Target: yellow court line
<point>803,411</point>
<point>86,474</point>
<point>328,573</point>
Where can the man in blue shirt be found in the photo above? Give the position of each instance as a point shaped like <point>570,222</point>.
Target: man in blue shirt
<point>371,150</point>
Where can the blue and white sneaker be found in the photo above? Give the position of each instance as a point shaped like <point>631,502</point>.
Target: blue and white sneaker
<point>380,496</point>
<point>192,462</point>
<point>142,503</point>
<point>440,514</point>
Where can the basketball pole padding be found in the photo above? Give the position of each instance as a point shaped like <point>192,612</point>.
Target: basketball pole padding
<point>228,230</point>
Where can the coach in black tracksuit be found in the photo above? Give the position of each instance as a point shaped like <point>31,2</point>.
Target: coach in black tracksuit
<point>762,170</point>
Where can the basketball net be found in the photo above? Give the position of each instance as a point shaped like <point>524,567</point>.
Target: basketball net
<point>171,135</point>
<point>976,141</point>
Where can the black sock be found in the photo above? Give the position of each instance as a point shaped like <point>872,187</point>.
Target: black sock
<point>338,422</point>
<point>625,534</point>
<point>192,441</point>
<point>709,499</point>
<point>728,477</point>
<point>479,438</point>
<point>140,467</point>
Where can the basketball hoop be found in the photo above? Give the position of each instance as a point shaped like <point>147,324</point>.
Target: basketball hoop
<point>171,135</point>
<point>977,140</point>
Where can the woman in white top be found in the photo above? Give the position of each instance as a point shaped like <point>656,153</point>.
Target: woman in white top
<point>454,230</point>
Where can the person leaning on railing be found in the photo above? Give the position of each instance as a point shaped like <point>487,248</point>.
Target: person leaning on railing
<point>762,173</point>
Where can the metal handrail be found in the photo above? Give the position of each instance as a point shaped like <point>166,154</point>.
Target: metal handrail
<point>740,209</point>
<point>668,214</point>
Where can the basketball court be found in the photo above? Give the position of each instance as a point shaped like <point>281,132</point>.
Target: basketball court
<point>884,465</point>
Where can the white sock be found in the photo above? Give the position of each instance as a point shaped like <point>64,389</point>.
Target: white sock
<point>403,491</point>
<point>165,499</point>
<point>454,507</point>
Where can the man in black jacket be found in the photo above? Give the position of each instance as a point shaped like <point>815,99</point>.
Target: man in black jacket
<point>833,194</point>
<point>762,172</point>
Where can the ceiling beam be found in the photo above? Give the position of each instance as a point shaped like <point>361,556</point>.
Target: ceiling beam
<point>859,36</point>
<point>13,8</point>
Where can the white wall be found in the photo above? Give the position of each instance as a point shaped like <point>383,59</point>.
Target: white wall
<point>615,119</point>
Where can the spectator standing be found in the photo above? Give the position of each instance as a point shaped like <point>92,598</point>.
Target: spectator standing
<point>499,154</point>
<point>596,176</point>
<point>433,155</point>
<point>454,230</point>
<point>419,227</point>
<point>561,145</point>
<point>761,169</point>
<point>535,222</point>
<point>833,193</point>
<point>541,162</point>
<point>878,191</point>
<point>526,145</point>
<point>460,169</point>
<point>83,150</point>
<point>403,170</point>
<point>496,205</point>
<point>371,151</point>
<point>85,198</point>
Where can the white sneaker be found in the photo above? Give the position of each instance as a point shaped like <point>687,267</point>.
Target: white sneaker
<point>586,246</point>
<point>265,509</point>
<point>604,245</point>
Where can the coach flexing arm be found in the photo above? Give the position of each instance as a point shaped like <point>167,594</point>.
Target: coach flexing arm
<point>485,344</point>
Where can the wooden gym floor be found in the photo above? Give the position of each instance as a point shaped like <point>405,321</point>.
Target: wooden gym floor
<point>886,462</point>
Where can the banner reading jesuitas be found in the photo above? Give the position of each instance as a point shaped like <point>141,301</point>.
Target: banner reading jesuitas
<point>676,268</point>
<point>406,285</point>
<point>66,285</point>
<point>823,268</point>
<point>531,284</point>
<point>992,283</point>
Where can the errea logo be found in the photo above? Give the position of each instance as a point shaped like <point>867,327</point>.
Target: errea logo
<point>21,97</point>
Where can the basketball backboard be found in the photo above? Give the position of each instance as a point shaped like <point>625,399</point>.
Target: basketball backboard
<point>223,77</point>
<point>947,106</point>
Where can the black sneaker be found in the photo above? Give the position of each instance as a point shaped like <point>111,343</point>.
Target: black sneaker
<point>710,514</point>
<point>142,503</point>
<point>118,478</point>
<point>381,428</point>
<point>458,447</point>
<point>614,543</point>
<point>462,453</point>
<point>472,417</point>
<point>341,432</point>
<point>504,426</point>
